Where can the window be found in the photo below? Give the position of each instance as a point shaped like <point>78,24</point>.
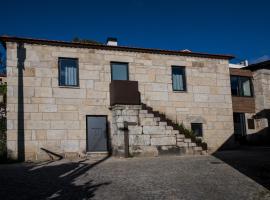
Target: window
<point>119,71</point>
<point>251,124</point>
<point>197,129</point>
<point>68,72</point>
<point>239,122</point>
<point>178,78</point>
<point>234,85</point>
<point>241,86</point>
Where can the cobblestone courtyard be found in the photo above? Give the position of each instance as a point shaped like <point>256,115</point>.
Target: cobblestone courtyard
<point>199,177</point>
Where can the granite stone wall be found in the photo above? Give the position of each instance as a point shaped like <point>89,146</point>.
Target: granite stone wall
<point>261,83</point>
<point>262,89</point>
<point>55,117</point>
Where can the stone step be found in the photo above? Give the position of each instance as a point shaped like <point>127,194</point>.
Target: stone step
<point>154,130</point>
<point>148,122</point>
<point>180,136</point>
<point>187,140</point>
<point>197,148</point>
<point>157,119</point>
<point>198,152</point>
<point>176,132</point>
<point>133,130</point>
<point>169,127</point>
<point>192,144</point>
<point>143,111</point>
<point>182,144</point>
<point>97,154</point>
<point>180,140</point>
<point>189,151</point>
<point>168,132</point>
<point>204,152</point>
<point>146,115</point>
<point>162,123</point>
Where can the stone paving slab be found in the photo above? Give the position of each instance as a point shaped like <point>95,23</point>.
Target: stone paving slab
<point>171,177</point>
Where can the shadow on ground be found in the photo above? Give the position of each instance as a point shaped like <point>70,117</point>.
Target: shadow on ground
<point>254,162</point>
<point>51,180</point>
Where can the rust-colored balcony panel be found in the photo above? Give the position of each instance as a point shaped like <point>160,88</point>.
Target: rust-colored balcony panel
<point>124,92</point>
<point>240,72</point>
<point>243,104</point>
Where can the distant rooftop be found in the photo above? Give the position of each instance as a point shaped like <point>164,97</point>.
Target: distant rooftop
<point>260,65</point>
<point>112,48</point>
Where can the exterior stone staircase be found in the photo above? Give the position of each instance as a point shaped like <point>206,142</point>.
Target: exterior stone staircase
<point>186,144</point>
<point>151,133</point>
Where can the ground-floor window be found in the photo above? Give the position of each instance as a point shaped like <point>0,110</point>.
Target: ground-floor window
<point>197,129</point>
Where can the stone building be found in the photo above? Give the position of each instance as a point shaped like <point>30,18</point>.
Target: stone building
<point>257,122</point>
<point>70,99</point>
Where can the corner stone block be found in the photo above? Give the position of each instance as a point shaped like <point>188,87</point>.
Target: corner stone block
<point>143,140</point>
<point>153,130</point>
<point>163,140</point>
<point>70,145</point>
<point>43,92</point>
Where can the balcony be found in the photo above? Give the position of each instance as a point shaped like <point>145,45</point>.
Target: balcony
<point>124,92</point>
<point>241,83</point>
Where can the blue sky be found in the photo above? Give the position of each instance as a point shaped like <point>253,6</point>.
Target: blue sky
<point>233,27</point>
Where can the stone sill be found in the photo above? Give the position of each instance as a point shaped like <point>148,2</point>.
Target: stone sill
<point>180,91</point>
<point>71,87</point>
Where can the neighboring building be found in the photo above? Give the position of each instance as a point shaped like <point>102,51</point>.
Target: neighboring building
<point>243,103</point>
<point>260,134</point>
<point>76,93</point>
<point>250,88</point>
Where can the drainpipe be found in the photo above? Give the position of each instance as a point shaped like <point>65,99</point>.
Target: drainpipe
<point>126,139</point>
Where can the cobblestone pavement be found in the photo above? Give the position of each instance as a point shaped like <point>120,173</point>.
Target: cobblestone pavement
<point>171,177</point>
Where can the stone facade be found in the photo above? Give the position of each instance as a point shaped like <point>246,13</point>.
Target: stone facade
<point>261,83</point>
<point>262,89</point>
<point>55,117</point>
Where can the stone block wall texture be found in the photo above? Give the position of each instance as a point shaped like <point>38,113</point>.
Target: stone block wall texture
<point>261,85</point>
<point>262,89</point>
<point>55,117</point>
<point>145,132</point>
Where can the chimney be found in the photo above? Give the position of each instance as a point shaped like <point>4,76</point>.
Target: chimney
<point>112,41</point>
<point>244,63</point>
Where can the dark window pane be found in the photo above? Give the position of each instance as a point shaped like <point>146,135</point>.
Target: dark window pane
<point>119,71</point>
<point>234,85</point>
<point>245,86</point>
<point>68,72</point>
<point>241,86</point>
<point>251,124</point>
<point>197,129</point>
<point>239,124</point>
<point>178,78</point>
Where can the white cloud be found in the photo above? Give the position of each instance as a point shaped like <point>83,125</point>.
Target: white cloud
<point>260,59</point>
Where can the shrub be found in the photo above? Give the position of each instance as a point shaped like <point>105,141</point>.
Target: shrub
<point>190,134</point>
<point>3,148</point>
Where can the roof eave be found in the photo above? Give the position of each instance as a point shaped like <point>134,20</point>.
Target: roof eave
<point>106,47</point>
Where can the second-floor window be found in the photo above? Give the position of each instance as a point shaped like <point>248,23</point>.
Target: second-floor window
<point>241,86</point>
<point>119,71</point>
<point>68,72</point>
<point>178,78</point>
